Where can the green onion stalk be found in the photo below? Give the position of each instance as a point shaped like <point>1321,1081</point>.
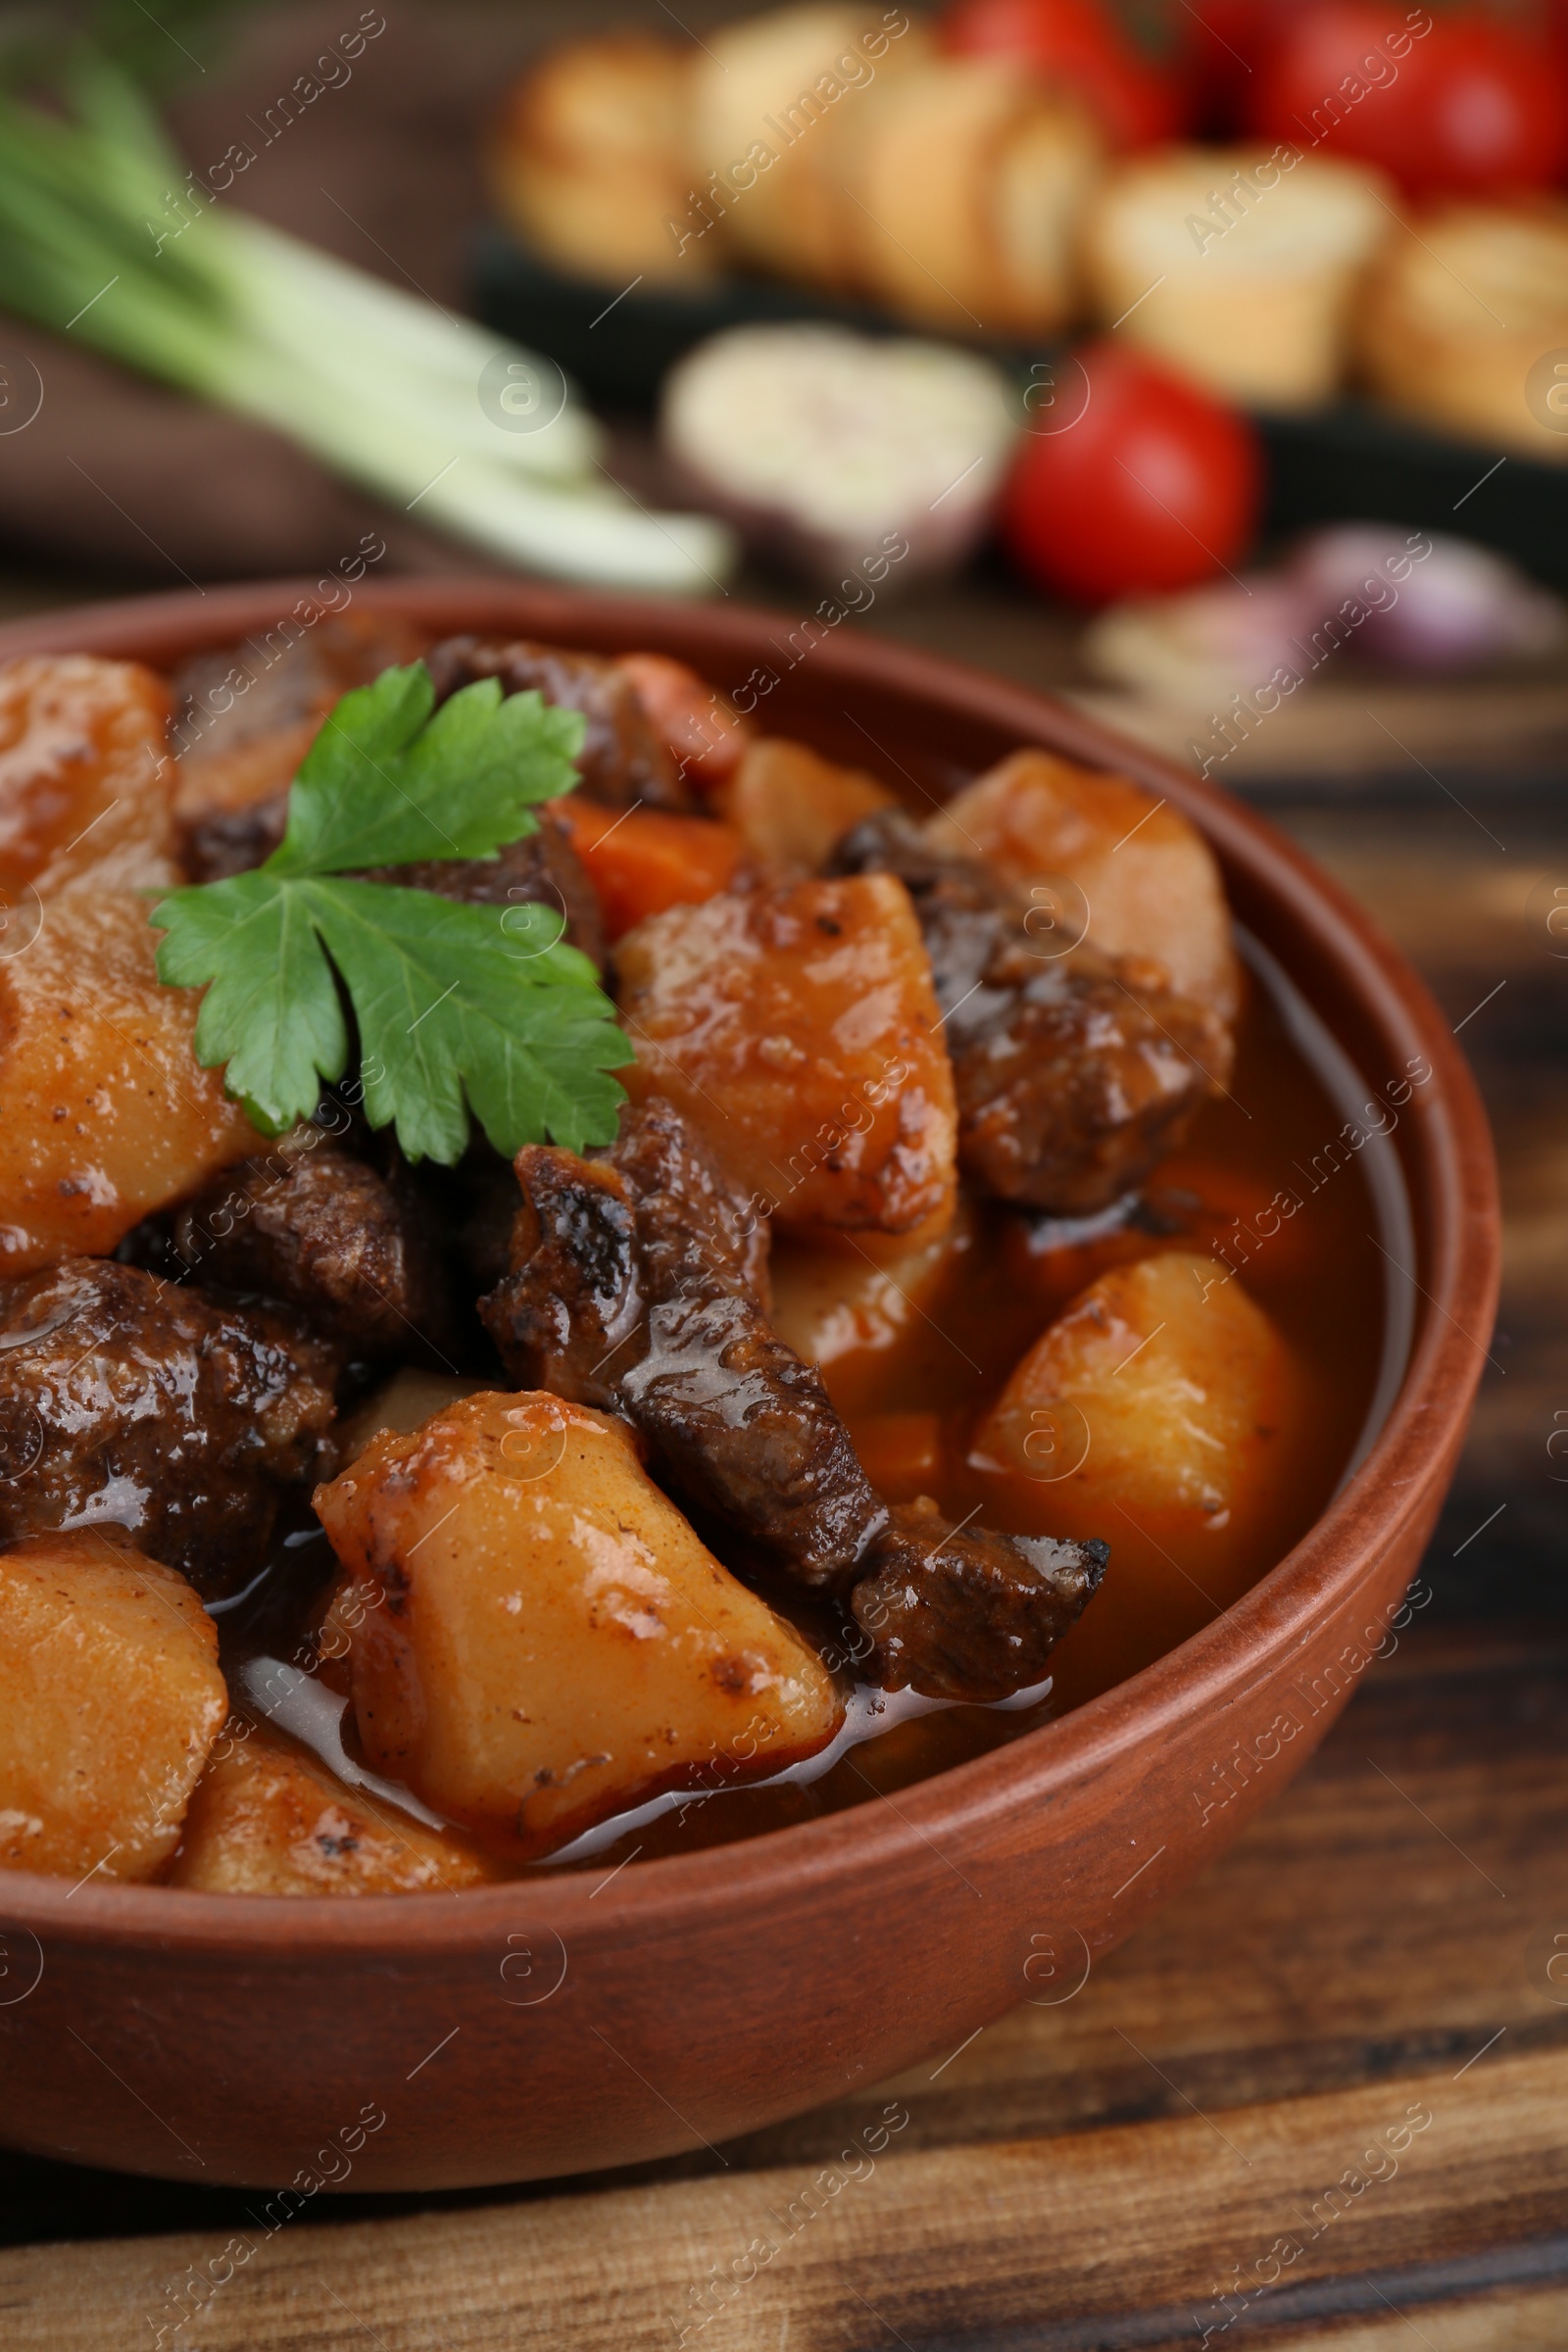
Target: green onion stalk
<point>102,233</point>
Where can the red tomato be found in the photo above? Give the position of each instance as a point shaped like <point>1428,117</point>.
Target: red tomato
<point>1224,45</point>
<point>1156,486</point>
<point>1079,43</point>
<point>1471,106</point>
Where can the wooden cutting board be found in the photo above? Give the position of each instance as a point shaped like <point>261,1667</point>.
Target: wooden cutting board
<point>1327,2089</point>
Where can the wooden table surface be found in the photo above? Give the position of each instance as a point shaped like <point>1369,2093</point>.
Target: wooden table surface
<point>1322,2099</point>
<point>1331,2080</point>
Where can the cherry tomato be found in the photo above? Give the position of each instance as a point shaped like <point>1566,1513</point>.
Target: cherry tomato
<point>1468,106</point>
<point>1155,484</point>
<point>1224,45</point>
<point>1079,43</point>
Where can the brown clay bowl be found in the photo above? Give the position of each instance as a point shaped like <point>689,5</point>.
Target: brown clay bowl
<point>230,2038</point>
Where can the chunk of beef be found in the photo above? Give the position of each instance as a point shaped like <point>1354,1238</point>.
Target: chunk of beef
<point>246,714</point>
<point>571,1315</point>
<point>472,1207</point>
<point>636,1287</point>
<point>1074,1073</point>
<point>318,1230</point>
<point>748,1434</point>
<point>637,1284</point>
<point>623,758</point>
<point>1078,1083</point>
<point>217,842</point>
<point>598,1244</point>
<point>963,1613</point>
<point>270,680</point>
<point>542,869</point>
<point>696,1232</point>
<point>127,1400</point>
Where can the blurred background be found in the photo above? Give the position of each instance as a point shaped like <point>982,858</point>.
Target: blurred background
<point>1203,360</point>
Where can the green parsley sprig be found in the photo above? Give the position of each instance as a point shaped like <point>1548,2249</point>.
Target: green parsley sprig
<point>458,1008</point>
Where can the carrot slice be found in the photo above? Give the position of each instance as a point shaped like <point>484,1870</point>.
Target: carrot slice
<point>646,859</point>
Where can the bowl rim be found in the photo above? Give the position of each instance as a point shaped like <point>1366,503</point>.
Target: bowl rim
<point>1216,1666</point>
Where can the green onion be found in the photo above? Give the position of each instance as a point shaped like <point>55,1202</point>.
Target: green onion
<point>101,233</point>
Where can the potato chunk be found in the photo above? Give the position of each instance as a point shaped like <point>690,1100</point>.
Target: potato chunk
<point>797,1030</point>
<point>1152,887</point>
<point>403,1403</point>
<point>109,1115</point>
<point>85,786</point>
<point>268,1819</point>
<point>1157,1412</point>
<point>862,1311</point>
<point>109,1700</point>
<point>791,808</point>
<point>544,1640</point>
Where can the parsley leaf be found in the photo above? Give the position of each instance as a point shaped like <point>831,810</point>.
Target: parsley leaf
<point>272,1011</point>
<point>458,1008</point>
<point>465,999</point>
<point>385,783</point>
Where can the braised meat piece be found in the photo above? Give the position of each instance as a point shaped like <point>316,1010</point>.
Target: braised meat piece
<point>475,1207</point>
<point>624,759</point>
<point>637,1284</point>
<point>309,1225</point>
<point>1079,1083</point>
<point>127,1400</point>
<point>637,1287</point>
<point>597,1245</point>
<point>217,842</point>
<point>1074,1073</point>
<point>749,1436</point>
<point>963,1613</point>
<point>542,869</point>
<point>570,1315</point>
<point>246,714</point>
<point>696,1232</point>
